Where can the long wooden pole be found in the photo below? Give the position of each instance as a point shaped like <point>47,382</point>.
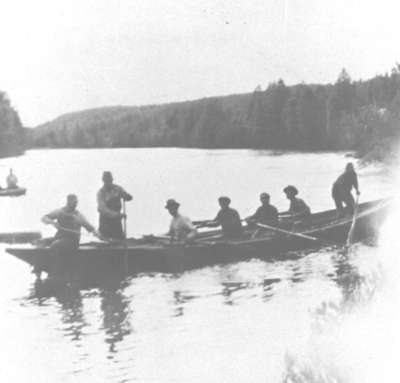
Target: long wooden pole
<point>309,237</point>
<point>125,236</point>
<point>353,224</point>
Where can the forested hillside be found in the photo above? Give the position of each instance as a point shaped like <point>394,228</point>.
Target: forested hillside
<point>11,131</point>
<point>347,115</point>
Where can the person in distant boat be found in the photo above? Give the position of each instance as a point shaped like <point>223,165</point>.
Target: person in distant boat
<point>68,222</point>
<point>228,219</point>
<point>298,208</point>
<point>12,180</point>
<point>342,187</point>
<point>181,228</point>
<point>109,206</point>
<point>266,214</point>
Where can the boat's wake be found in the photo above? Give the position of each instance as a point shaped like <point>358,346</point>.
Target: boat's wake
<point>355,338</point>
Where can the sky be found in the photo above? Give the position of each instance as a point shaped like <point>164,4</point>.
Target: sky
<point>60,56</point>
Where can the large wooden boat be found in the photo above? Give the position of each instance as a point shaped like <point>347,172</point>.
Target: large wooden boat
<point>12,192</point>
<point>135,256</point>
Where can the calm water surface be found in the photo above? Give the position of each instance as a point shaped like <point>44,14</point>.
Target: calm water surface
<point>252,321</point>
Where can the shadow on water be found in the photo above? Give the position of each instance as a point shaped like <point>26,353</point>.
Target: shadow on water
<point>114,308</point>
<point>116,313</point>
<point>71,297</point>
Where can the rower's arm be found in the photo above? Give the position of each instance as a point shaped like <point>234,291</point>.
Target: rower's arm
<point>86,224</point>
<point>213,223</point>
<point>355,183</point>
<point>125,195</point>
<point>50,218</point>
<point>103,209</point>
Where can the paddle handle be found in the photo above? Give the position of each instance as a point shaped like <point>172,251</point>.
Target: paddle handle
<point>288,232</point>
<point>353,223</point>
<point>124,219</point>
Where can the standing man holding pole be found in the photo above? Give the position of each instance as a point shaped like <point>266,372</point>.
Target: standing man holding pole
<point>110,200</point>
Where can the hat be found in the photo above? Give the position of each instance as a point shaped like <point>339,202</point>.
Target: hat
<point>224,199</point>
<point>171,203</point>
<point>290,189</point>
<point>264,195</point>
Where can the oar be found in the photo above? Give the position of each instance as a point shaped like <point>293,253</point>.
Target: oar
<point>353,224</point>
<point>125,241</point>
<point>169,238</point>
<point>207,223</point>
<point>309,237</point>
<point>20,237</point>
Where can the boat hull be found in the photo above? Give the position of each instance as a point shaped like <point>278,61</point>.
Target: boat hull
<point>103,260</point>
<point>12,192</point>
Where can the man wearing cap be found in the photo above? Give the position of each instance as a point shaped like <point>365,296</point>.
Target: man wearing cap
<point>266,214</point>
<point>228,219</point>
<point>181,228</point>
<point>298,208</point>
<point>109,206</point>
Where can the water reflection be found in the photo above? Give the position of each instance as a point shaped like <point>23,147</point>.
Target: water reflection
<point>127,315</point>
<point>116,314</point>
<point>70,303</point>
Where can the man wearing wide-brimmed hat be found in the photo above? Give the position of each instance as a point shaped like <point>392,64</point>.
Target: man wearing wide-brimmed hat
<point>298,208</point>
<point>181,228</point>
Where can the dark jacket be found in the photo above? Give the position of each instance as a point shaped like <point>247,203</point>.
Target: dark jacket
<point>345,182</point>
<point>229,219</point>
<point>267,215</point>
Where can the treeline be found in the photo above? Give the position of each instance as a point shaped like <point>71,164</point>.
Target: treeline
<point>347,115</point>
<point>11,131</point>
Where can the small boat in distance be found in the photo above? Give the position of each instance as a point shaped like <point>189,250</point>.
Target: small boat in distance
<point>158,254</point>
<point>17,192</point>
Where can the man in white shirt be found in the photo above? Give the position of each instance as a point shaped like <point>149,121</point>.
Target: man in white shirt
<point>181,228</point>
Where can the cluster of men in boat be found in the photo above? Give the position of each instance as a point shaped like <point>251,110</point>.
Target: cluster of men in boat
<point>11,181</point>
<point>111,207</point>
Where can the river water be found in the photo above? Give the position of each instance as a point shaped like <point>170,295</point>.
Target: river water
<point>253,321</point>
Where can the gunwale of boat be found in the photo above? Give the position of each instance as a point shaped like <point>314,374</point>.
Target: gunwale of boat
<point>12,192</point>
<point>366,209</point>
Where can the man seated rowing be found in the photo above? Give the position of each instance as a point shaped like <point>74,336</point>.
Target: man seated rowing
<point>228,219</point>
<point>181,228</point>
<point>266,214</point>
<point>298,209</point>
<point>68,222</point>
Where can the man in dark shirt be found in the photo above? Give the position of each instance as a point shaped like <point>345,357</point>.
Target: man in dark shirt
<point>341,189</point>
<point>228,219</point>
<point>298,209</point>
<point>109,199</point>
<point>266,214</point>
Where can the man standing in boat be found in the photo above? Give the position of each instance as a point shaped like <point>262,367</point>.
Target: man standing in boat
<point>298,209</point>
<point>181,228</point>
<point>12,180</point>
<point>228,219</point>
<point>266,214</point>
<point>109,206</point>
<point>68,222</point>
<point>342,187</point>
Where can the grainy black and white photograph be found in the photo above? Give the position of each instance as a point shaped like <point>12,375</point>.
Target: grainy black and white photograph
<point>199,191</point>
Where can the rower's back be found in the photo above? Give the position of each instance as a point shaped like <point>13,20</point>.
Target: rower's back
<point>230,221</point>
